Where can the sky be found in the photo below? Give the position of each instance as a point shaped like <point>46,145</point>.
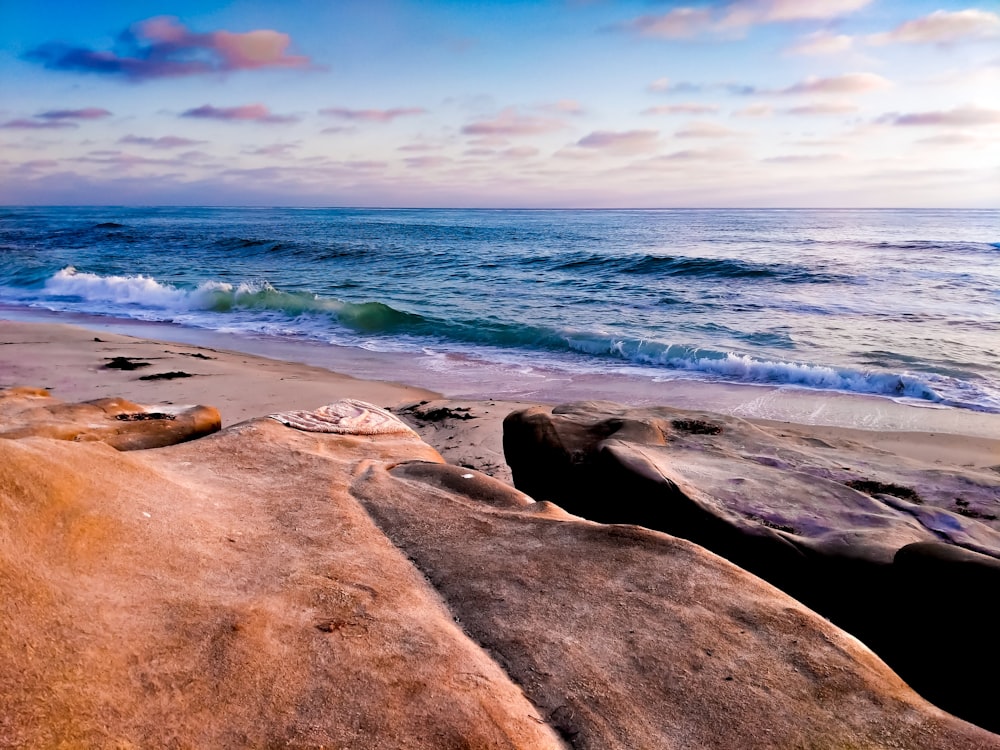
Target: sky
<point>440,103</point>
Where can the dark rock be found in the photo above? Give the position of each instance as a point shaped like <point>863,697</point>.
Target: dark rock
<point>764,498</point>
<point>125,363</point>
<point>167,375</point>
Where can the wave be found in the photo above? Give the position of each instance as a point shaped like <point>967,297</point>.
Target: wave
<point>143,296</point>
<point>685,267</point>
<point>148,294</point>
<point>933,245</point>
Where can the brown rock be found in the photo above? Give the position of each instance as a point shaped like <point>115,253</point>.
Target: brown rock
<point>823,521</point>
<point>257,588</point>
<point>119,423</point>
<point>228,593</point>
<point>628,638</point>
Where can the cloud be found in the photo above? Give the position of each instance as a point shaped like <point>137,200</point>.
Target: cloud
<point>678,23</point>
<point>626,141</point>
<point>88,113</point>
<point>711,154</point>
<point>959,117</point>
<point>427,162</point>
<point>942,27</point>
<point>665,86</point>
<point>705,130</point>
<point>36,165</point>
<point>685,108</point>
<point>563,107</point>
<point>372,115</point>
<point>163,47</point>
<point>510,123</point>
<point>803,158</point>
<point>25,124</point>
<point>688,22</point>
<point>755,110</point>
<point>419,146</point>
<point>745,13</point>
<point>823,108</point>
<point>244,113</point>
<point>520,152</point>
<point>274,149</point>
<point>164,142</point>
<point>849,83</point>
<point>365,164</point>
<point>950,139</point>
<point>821,43</point>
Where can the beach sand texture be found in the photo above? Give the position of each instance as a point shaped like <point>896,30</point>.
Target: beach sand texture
<point>271,586</point>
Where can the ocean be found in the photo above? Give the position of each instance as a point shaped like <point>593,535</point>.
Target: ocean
<point>899,304</point>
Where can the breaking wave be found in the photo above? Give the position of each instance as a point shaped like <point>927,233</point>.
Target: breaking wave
<point>214,304</point>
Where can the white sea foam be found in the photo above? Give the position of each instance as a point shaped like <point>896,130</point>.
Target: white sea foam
<point>121,290</point>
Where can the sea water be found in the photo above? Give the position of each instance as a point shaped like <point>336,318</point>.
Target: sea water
<point>903,304</point>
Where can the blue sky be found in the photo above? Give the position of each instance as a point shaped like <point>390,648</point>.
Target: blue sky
<point>585,103</point>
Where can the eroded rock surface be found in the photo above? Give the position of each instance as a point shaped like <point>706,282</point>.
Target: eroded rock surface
<point>228,593</point>
<point>270,586</point>
<point>824,521</point>
<point>121,424</point>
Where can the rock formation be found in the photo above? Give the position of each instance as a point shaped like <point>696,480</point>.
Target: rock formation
<point>277,586</point>
<point>865,538</point>
<point>119,423</point>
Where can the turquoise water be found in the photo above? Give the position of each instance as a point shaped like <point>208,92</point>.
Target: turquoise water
<point>900,304</point>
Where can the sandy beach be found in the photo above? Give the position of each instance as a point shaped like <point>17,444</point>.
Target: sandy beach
<point>72,363</point>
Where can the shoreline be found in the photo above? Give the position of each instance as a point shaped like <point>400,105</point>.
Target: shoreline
<point>70,360</point>
<point>469,378</point>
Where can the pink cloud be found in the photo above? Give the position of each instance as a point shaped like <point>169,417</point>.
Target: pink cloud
<point>163,47</point>
<point>755,110</point>
<point>88,113</point>
<point>705,130</point>
<point>36,165</point>
<point>563,107</point>
<point>166,141</point>
<point>959,117</point>
<point>950,139</point>
<point>426,162</point>
<point>25,124</point>
<point>365,164</point>
<point>372,115</point>
<point>803,158</point>
<point>686,22</point>
<point>510,123</point>
<point>849,83</point>
<point>275,149</point>
<point>822,108</point>
<point>520,152</point>
<point>627,141</point>
<point>821,43</point>
<point>244,113</point>
<point>418,146</point>
<point>711,154</point>
<point>676,24</point>
<point>743,13</point>
<point>686,108</point>
<point>942,27</point>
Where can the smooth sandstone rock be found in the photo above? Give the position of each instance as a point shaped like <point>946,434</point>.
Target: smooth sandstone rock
<point>822,521</point>
<point>271,586</point>
<point>121,424</point>
<point>629,638</point>
<point>228,593</point>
